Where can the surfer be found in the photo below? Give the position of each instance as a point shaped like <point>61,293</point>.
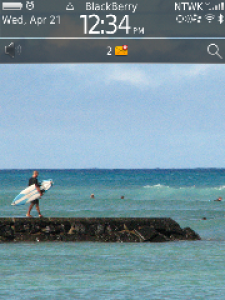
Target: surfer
<point>34,180</point>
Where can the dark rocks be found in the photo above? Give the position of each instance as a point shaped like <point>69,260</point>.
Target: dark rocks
<point>94,229</point>
<point>190,234</point>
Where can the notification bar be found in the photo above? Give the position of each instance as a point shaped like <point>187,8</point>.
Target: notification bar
<point>156,31</point>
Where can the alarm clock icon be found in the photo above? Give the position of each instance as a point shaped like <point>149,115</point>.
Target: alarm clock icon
<point>29,5</point>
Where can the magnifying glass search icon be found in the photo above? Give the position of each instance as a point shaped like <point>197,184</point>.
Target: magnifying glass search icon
<point>214,49</point>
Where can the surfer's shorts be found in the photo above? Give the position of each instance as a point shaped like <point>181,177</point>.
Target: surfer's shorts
<point>35,201</point>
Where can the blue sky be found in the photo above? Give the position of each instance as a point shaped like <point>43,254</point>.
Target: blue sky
<point>112,116</point>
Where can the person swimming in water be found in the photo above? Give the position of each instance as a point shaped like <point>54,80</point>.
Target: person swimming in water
<point>218,199</point>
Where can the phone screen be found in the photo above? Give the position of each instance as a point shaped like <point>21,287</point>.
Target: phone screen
<point>121,105</point>
<point>112,84</point>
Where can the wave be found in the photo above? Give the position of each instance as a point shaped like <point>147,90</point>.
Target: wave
<point>160,192</point>
<point>156,185</point>
<point>221,188</point>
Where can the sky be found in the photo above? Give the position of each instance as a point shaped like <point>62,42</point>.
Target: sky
<point>75,116</point>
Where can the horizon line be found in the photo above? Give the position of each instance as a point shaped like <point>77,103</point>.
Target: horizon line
<point>95,168</point>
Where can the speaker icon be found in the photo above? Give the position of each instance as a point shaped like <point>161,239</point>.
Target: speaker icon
<point>10,50</point>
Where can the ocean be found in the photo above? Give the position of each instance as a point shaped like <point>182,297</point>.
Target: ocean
<point>85,270</point>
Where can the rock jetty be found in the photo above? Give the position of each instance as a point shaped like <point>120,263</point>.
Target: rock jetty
<point>94,230</point>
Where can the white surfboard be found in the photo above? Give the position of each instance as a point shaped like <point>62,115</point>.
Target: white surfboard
<point>31,193</point>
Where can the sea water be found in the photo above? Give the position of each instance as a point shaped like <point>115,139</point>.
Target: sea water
<point>174,270</point>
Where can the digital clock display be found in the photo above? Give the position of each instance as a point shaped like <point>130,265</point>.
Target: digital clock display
<point>113,22</point>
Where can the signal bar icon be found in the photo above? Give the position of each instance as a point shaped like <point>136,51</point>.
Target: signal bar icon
<point>219,6</point>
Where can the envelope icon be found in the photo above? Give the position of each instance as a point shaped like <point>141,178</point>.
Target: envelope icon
<point>121,50</point>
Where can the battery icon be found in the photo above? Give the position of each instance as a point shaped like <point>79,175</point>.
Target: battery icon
<point>12,5</point>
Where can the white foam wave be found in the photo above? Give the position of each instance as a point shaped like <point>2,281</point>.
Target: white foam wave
<point>167,187</point>
<point>221,188</point>
<point>156,186</point>
<point>184,187</point>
